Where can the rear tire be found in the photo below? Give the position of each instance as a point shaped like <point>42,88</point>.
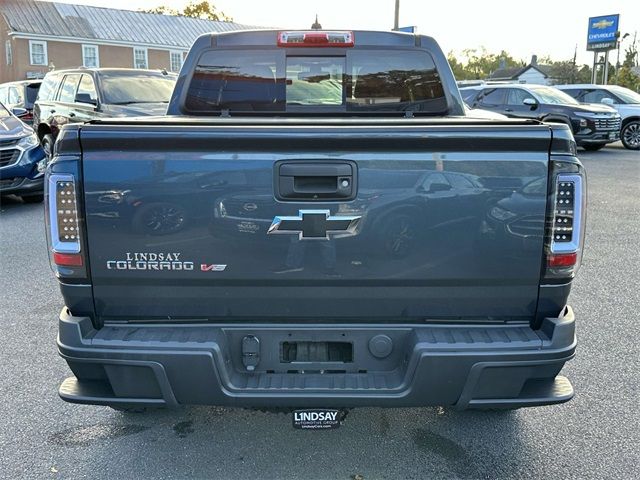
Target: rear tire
<point>630,135</point>
<point>33,198</point>
<point>47,143</point>
<point>593,147</point>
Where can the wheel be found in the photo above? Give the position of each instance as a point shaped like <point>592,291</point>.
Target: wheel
<point>159,219</point>
<point>47,145</point>
<point>592,147</point>
<point>630,135</point>
<point>33,198</point>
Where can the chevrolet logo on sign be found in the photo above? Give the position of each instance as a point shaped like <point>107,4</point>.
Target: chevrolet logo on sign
<point>315,225</point>
<point>602,24</point>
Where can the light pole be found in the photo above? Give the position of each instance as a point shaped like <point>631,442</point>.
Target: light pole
<point>396,18</point>
<point>618,56</point>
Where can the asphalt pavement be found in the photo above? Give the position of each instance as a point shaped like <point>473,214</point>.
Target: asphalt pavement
<point>596,435</point>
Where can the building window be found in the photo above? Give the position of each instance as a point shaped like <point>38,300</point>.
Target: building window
<point>140,59</point>
<point>90,57</point>
<point>8,51</point>
<point>38,52</point>
<point>175,61</point>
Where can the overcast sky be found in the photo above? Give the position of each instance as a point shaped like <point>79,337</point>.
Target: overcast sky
<point>543,27</point>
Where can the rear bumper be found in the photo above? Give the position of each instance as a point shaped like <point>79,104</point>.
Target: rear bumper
<point>465,366</point>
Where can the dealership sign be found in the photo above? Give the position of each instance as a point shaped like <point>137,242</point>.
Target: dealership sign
<point>602,33</point>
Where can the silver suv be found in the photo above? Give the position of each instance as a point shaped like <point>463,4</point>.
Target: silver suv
<point>625,101</point>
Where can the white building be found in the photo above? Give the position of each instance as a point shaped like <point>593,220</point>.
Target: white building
<point>532,73</point>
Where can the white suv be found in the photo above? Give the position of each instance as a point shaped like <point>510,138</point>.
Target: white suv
<point>625,101</point>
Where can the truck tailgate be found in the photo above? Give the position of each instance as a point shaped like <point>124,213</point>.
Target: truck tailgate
<point>230,222</point>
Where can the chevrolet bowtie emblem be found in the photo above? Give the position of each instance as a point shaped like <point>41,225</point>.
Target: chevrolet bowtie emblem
<point>604,23</point>
<point>315,224</point>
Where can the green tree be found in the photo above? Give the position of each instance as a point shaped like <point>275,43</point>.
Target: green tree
<point>205,10</point>
<point>562,72</point>
<point>583,75</point>
<point>458,68</point>
<point>480,63</point>
<point>627,77</point>
<point>195,9</point>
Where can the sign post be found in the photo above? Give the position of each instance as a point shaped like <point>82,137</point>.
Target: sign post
<point>602,36</point>
<point>396,16</point>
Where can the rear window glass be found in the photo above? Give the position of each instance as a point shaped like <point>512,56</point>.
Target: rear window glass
<point>359,81</point>
<point>228,80</point>
<point>394,80</point>
<point>315,81</point>
<point>129,87</point>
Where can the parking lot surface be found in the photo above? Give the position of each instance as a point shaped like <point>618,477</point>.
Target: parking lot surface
<point>594,436</point>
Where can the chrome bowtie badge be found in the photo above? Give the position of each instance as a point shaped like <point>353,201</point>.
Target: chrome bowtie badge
<point>315,224</point>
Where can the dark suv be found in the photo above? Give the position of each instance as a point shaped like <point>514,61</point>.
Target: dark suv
<point>20,94</point>
<point>80,95</point>
<point>593,126</point>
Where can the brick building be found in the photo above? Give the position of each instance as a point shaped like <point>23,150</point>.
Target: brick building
<point>38,36</point>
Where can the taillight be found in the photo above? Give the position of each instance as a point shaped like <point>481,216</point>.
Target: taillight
<point>64,233</point>
<point>315,39</point>
<point>566,225</point>
<point>67,259</point>
<point>562,259</point>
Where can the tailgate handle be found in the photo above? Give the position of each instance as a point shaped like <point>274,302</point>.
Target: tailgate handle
<point>315,180</point>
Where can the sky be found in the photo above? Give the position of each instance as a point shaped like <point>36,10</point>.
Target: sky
<point>543,27</point>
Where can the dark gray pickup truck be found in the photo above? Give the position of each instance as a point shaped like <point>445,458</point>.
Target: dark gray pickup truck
<point>316,225</point>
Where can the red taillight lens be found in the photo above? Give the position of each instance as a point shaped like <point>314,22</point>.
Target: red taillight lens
<point>316,39</point>
<point>562,260</point>
<point>68,259</point>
